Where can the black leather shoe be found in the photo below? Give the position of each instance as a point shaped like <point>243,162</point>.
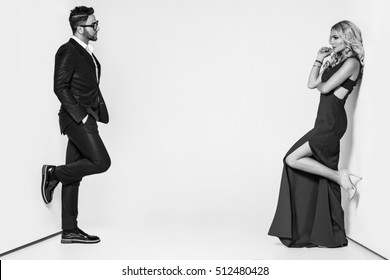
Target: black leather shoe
<point>49,183</point>
<point>80,237</point>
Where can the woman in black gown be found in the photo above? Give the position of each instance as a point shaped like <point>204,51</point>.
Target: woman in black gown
<point>309,212</point>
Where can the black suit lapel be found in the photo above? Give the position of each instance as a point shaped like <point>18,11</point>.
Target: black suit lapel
<point>98,65</point>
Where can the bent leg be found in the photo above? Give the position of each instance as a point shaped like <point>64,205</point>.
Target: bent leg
<point>94,156</point>
<point>301,159</point>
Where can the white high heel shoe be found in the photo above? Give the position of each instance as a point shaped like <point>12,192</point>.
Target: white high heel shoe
<point>347,182</point>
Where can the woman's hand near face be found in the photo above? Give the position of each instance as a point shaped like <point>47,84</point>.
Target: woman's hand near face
<point>315,75</point>
<point>323,52</point>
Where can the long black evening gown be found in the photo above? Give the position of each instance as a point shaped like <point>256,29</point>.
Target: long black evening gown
<point>309,211</point>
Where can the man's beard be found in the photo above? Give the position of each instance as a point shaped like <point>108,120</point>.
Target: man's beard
<point>90,36</point>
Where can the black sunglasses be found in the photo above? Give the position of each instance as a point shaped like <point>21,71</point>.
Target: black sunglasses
<point>94,25</point>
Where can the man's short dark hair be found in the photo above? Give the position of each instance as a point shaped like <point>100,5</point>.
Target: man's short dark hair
<point>79,15</point>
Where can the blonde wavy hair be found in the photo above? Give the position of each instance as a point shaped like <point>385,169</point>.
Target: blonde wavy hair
<point>352,38</point>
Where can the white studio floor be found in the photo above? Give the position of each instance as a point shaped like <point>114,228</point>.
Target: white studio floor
<point>178,241</point>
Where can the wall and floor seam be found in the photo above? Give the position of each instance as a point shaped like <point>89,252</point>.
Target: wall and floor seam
<point>30,244</point>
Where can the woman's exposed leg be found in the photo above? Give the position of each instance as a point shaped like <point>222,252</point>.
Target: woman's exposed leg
<point>300,159</point>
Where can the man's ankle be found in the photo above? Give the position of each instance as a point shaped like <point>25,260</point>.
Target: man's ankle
<point>71,230</point>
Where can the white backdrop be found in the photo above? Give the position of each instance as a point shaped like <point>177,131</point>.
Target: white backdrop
<point>205,98</point>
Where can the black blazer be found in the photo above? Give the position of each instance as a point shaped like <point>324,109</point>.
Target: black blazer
<point>76,85</point>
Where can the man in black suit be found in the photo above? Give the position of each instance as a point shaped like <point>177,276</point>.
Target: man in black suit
<point>76,84</point>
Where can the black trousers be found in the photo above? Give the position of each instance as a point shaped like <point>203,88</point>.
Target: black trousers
<point>85,155</point>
